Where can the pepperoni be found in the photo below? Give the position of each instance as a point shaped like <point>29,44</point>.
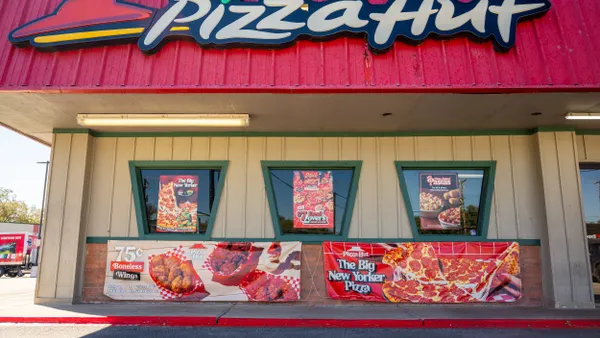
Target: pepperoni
<point>430,273</point>
<point>403,264</point>
<point>414,299</point>
<point>411,291</point>
<point>457,292</point>
<point>416,254</point>
<point>430,252</point>
<point>412,284</point>
<point>415,266</point>
<point>428,287</point>
<point>430,294</point>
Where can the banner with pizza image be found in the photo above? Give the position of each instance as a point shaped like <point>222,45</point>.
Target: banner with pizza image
<point>203,271</point>
<point>432,272</point>
<point>177,204</point>
<point>313,200</point>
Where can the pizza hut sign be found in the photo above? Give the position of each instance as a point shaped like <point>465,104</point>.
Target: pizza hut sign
<point>275,22</point>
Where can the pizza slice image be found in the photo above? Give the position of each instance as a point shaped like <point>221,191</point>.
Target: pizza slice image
<point>414,292</point>
<point>480,277</point>
<point>416,261</point>
<point>508,265</point>
<point>469,274</point>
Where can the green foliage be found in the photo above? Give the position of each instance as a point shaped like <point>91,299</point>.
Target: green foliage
<point>15,211</point>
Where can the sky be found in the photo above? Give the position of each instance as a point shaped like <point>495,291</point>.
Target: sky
<point>591,195</point>
<point>18,168</point>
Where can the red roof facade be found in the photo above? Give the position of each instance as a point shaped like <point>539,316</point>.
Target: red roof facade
<point>556,52</point>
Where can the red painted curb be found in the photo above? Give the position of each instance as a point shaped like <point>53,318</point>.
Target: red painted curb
<point>510,323</point>
<point>583,323</point>
<point>116,320</point>
<point>312,322</point>
<point>315,323</point>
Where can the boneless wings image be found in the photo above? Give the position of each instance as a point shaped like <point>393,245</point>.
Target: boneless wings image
<point>174,274</point>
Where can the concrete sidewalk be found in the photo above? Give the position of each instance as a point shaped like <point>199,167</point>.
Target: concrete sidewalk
<point>286,315</point>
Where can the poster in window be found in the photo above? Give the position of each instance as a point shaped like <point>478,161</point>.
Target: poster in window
<point>440,201</point>
<point>177,204</point>
<point>313,200</point>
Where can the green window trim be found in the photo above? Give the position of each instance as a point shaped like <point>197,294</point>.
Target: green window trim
<point>522,242</point>
<point>311,165</point>
<point>489,168</point>
<point>135,168</point>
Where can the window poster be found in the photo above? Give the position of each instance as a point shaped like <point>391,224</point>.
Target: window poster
<point>177,204</point>
<point>440,201</point>
<point>313,199</point>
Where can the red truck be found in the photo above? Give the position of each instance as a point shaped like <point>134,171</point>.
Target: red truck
<point>17,253</point>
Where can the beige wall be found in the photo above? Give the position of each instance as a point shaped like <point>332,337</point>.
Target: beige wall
<point>565,258</point>
<point>63,239</point>
<point>588,148</point>
<point>536,194</point>
<point>517,208</point>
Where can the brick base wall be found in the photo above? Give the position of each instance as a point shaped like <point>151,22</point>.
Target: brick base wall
<point>313,280</point>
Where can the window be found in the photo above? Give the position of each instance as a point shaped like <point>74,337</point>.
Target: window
<point>447,198</point>
<point>590,192</point>
<point>311,200</point>
<point>176,198</point>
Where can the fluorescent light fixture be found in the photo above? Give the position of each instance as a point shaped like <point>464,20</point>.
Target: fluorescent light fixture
<point>583,116</point>
<point>163,120</point>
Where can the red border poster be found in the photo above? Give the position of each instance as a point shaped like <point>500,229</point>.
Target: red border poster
<point>313,200</point>
<point>434,272</point>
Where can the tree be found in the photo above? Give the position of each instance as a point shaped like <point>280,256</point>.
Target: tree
<point>15,211</point>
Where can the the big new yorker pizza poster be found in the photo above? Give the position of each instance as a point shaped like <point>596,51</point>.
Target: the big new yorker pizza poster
<point>450,272</point>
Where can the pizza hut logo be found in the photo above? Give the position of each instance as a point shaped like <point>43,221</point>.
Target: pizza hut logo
<point>274,22</point>
<point>356,252</point>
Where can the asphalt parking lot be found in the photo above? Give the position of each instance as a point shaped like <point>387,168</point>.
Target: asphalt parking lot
<point>93,331</point>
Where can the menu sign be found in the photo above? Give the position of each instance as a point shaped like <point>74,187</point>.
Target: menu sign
<point>203,271</point>
<point>177,204</point>
<point>439,201</point>
<point>423,272</point>
<point>313,199</point>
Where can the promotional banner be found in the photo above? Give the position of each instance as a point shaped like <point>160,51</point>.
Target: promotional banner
<point>449,272</point>
<point>439,201</point>
<point>177,204</point>
<point>313,199</point>
<point>12,248</point>
<point>203,271</point>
